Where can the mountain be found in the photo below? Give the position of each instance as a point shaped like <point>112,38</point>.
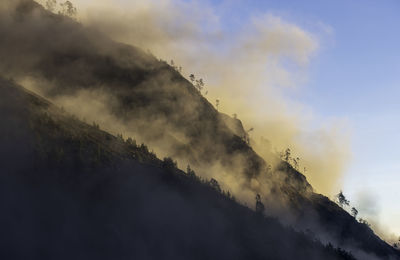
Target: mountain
<point>72,191</point>
<point>151,101</point>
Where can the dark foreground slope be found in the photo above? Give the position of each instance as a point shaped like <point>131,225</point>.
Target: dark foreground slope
<point>155,103</point>
<point>71,191</point>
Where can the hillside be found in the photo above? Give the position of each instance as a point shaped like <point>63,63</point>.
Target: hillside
<point>72,191</point>
<point>155,104</point>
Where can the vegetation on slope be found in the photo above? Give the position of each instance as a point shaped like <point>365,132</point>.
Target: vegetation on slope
<point>69,190</point>
<point>161,107</point>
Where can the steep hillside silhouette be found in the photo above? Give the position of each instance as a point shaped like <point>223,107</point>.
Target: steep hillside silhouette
<point>154,103</point>
<point>69,190</point>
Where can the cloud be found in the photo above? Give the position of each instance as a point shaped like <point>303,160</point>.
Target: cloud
<point>368,204</point>
<point>256,71</point>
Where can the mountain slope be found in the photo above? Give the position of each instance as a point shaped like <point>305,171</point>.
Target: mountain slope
<point>69,190</point>
<point>158,106</point>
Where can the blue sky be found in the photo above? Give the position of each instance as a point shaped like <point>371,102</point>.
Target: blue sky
<point>355,75</point>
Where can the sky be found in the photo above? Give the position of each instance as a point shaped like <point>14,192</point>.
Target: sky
<point>355,75</point>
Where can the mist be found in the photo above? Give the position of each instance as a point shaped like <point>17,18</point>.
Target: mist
<point>255,71</point>
<point>253,86</point>
<point>132,92</point>
<point>135,210</point>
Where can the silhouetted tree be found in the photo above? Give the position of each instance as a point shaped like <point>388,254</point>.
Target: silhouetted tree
<point>190,172</point>
<point>199,85</point>
<point>286,155</point>
<point>397,244</point>
<point>296,162</point>
<point>217,104</point>
<point>169,164</point>
<point>192,78</point>
<point>131,142</point>
<point>120,137</point>
<point>342,199</point>
<point>144,148</point>
<point>95,125</point>
<point>215,185</point>
<point>354,212</point>
<point>365,222</point>
<point>259,205</point>
<point>229,195</point>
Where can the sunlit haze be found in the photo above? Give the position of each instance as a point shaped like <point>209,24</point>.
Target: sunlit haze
<point>344,75</point>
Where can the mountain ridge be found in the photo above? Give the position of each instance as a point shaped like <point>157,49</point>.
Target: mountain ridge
<point>150,95</point>
<point>89,205</point>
